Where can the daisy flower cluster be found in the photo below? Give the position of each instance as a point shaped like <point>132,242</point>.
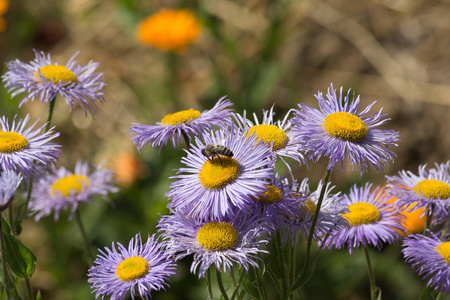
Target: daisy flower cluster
<point>228,202</point>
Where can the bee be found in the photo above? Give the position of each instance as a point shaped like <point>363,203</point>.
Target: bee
<point>213,150</point>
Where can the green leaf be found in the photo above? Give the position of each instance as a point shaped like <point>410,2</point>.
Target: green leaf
<point>19,258</point>
<point>250,288</point>
<point>39,296</point>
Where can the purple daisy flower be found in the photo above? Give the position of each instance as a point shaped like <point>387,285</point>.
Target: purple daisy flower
<point>22,149</point>
<point>144,267</point>
<point>329,218</point>
<point>187,122</point>
<point>276,134</point>
<point>430,189</point>
<point>282,207</point>
<point>429,255</point>
<point>61,188</point>
<point>9,182</point>
<point>45,80</point>
<point>370,220</point>
<point>236,240</point>
<point>219,186</point>
<point>337,130</point>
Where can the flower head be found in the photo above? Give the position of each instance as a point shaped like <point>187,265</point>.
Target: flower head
<point>337,131</point>
<point>144,267</point>
<point>169,30</point>
<point>9,182</point>
<point>23,150</point>
<point>429,189</point>
<point>430,256</point>
<point>276,134</point>
<point>370,220</point>
<point>45,80</point>
<point>329,218</point>
<point>219,186</point>
<point>61,188</point>
<point>222,243</point>
<point>187,122</point>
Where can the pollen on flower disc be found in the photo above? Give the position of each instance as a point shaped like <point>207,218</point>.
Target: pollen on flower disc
<point>12,141</point>
<point>132,268</point>
<point>214,175</point>
<point>444,250</point>
<point>57,73</point>
<point>345,126</point>
<point>69,183</point>
<point>269,133</point>
<point>272,195</point>
<point>362,213</point>
<point>432,188</point>
<point>180,117</point>
<point>217,236</point>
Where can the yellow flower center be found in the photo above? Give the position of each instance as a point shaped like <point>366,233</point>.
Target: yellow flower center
<point>132,268</point>
<point>444,250</point>
<point>69,183</point>
<point>56,73</point>
<point>345,126</point>
<point>309,206</point>
<point>217,236</point>
<point>214,175</point>
<point>269,133</point>
<point>272,195</point>
<point>12,141</point>
<point>180,117</point>
<point>362,213</point>
<point>432,188</point>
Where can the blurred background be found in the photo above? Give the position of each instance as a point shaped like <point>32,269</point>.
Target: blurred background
<point>259,53</point>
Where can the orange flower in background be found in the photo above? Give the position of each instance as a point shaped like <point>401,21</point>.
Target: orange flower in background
<point>169,30</point>
<point>3,8</point>
<point>127,168</point>
<point>414,222</point>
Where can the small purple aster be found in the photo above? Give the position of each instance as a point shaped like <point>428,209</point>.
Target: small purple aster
<point>429,255</point>
<point>61,188</point>
<point>371,221</point>
<point>329,218</point>
<point>429,189</point>
<point>276,134</point>
<point>221,185</point>
<point>338,131</point>
<point>187,122</point>
<point>145,267</point>
<point>45,80</point>
<point>24,150</point>
<point>9,182</point>
<point>235,240</point>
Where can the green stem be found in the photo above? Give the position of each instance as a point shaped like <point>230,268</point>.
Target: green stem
<point>220,283</point>
<point>172,77</point>
<point>4,267</point>
<point>236,290</point>
<point>280,255</point>
<point>29,291</point>
<point>315,218</point>
<point>373,289</point>
<point>25,208</point>
<point>261,286</point>
<point>50,113</point>
<point>11,219</point>
<point>87,245</point>
<point>207,281</point>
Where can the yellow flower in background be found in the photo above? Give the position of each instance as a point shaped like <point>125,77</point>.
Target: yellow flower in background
<point>3,8</point>
<point>169,30</point>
